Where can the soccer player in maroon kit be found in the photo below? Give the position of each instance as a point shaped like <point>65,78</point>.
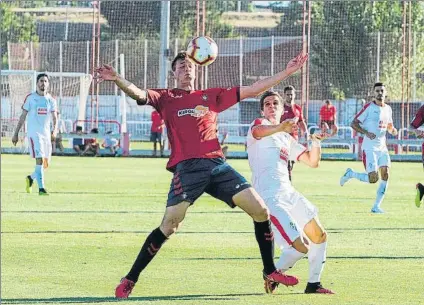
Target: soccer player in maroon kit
<point>292,111</point>
<point>416,123</point>
<point>156,132</point>
<point>197,160</point>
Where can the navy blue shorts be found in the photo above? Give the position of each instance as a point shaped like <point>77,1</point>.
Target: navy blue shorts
<point>216,177</point>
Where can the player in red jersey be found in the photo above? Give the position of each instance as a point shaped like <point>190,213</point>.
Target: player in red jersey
<point>416,124</point>
<point>197,160</point>
<point>293,111</point>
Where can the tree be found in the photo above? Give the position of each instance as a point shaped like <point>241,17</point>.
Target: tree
<point>15,28</point>
<point>344,43</point>
<point>133,19</point>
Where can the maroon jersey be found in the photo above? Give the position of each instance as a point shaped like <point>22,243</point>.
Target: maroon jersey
<point>191,120</point>
<point>290,113</point>
<point>419,118</point>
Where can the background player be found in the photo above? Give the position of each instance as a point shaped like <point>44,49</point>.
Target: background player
<point>197,160</point>
<point>270,148</point>
<point>416,123</point>
<point>374,120</point>
<point>328,118</point>
<point>41,109</point>
<point>294,112</point>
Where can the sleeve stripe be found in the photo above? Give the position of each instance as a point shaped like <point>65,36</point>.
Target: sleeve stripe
<point>301,153</point>
<point>26,97</point>
<point>362,110</point>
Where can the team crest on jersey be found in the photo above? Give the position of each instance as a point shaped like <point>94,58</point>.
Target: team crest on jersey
<point>204,97</point>
<point>284,154</point>
<point>197,112</point>
<point>42,110</point>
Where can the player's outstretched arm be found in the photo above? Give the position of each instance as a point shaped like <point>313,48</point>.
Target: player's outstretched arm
<point>55,119</point>
<point>108,73</point>
<point>265,84</point>
<point>356,126</point>
<point>21,121</point>
<point>261,131</point>
<point>312,158</point>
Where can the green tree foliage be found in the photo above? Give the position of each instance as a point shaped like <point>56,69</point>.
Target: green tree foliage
<point>344,43</point>
<point>130,20</point>
<point>15,28</point>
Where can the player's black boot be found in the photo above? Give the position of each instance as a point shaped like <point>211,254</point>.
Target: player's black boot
<point>29,181</point>
<point>419,194</point>
<point>317,288</point>
<point>43,192</point>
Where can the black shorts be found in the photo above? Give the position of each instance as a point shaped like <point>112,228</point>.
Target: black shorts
<point>329,123</point>
<point>216,177</point>
<point>155,136</point>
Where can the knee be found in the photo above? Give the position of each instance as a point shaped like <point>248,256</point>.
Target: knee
<point>373,177</point>
<point>262,214</point>
<point>300,246</point>
<point>170,226</point>
<point>385,175</point>
<point>319,238</point>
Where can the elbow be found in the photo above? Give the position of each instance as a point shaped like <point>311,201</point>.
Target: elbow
<point>315,164</point>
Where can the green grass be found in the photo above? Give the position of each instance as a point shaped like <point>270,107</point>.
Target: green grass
<point>75,245</point>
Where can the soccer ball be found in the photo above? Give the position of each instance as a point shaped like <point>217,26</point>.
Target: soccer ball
<point>202,50</point>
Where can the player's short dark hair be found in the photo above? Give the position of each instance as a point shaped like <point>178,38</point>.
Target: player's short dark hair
<point>379,84</point>
<point>327,101</point>
<point>95,130</point>
<point>180,55</point>
<point>79,128</point>
<point>269,93</point>
<point>42,75</point>
<point>288,88</point>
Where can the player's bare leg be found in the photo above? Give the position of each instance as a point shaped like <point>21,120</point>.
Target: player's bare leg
<point>250,202</point>
<point>381,190</point>
<point>174,215</point>
<point>316,256</point>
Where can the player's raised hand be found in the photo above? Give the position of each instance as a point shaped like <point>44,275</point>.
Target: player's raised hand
<point>15,139</point>
<point>105,72</point>
<point>287,125</point>
<point>370,135</point>
<point>296,63</point>
<point>394,132</point>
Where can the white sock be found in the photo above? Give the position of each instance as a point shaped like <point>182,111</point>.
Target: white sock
<point>360,176</point>
<point>316,257</point>
<point>288,258</point>
<point>34,174</point>
<point>39,170</point>
<point>381,191</point>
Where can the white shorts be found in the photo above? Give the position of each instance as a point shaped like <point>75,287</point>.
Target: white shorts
<point>40,146</point>
<point>289,215</point>
<point>374,159</point>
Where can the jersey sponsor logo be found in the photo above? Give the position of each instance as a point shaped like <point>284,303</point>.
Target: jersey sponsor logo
<point>197,112</point>
<point>205,97</point>
<point>284,154</point>
<point>42,110</point>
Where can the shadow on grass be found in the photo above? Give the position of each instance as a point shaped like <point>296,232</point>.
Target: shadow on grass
<point>328,257</point>
<point>70,300</point>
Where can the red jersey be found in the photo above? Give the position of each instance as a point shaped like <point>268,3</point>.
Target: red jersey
<point>327,113</point>
<point>157,122</point>
<point>419,118</point>
<point>191,120</point>
<point>291,113</point>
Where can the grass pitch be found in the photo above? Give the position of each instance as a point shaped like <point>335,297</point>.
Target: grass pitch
<point>75,245</point>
